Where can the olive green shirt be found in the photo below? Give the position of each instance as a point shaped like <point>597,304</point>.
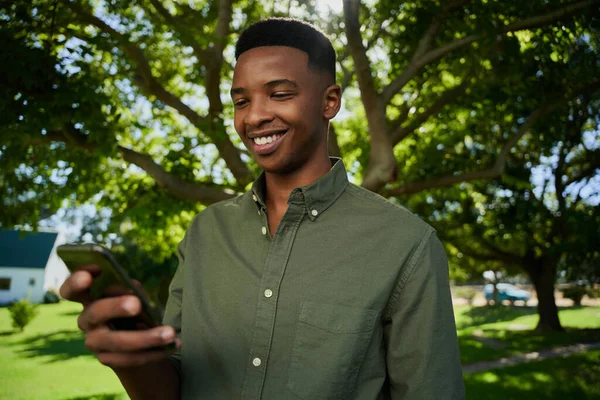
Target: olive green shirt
<point>348,300</point>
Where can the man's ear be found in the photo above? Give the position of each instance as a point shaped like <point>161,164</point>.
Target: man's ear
<point>332,101</point>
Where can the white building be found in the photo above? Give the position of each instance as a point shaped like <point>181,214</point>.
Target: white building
<point>29,265</point>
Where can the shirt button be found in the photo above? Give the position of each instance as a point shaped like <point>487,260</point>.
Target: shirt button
<point>256,362</point>
<point>254,197</point>
<point>264,230</point>
<point>268,293</point>
<point>314,213</point>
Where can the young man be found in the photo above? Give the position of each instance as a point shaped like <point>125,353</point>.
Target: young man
<point>306,287</point>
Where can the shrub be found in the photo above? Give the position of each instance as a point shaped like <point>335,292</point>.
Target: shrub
<point>466,293</point>
<point>575,293</point>
<point>21,313</point>
<point>51,297</point>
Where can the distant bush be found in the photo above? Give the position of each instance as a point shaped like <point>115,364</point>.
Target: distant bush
<point>575,293</point>
<point>466,293</point>
<point>51,297</point>
<point>21,313</point>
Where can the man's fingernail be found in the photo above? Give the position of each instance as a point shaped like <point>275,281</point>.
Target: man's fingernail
<point>129,306</point>
<point>166,334</point>
<point>78,280</point>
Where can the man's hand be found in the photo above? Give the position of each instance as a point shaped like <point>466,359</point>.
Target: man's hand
<point>116,349</point>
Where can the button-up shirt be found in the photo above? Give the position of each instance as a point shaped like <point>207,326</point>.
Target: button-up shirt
<point>349,299</point>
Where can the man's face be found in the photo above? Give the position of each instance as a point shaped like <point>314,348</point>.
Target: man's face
<point>279,104</point>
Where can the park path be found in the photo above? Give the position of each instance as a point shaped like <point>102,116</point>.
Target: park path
<point>529,357</point>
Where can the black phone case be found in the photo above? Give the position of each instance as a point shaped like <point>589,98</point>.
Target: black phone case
<point>77,255</point>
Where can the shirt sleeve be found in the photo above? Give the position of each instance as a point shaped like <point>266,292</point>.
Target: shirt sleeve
<point>172,314</point>
<point>423,360</point>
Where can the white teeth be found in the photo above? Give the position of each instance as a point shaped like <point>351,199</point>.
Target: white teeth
<point>266,139</point>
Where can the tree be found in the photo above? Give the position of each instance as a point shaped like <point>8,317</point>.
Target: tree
<point>121,103</point>
<point>22,312</point>
<point>539,230</point>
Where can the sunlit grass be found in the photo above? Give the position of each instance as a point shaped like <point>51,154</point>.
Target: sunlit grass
<point>512,329</point>
<point>49,360</point>
<point>574,378</point>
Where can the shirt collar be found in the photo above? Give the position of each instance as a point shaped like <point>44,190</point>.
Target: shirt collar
<point>317,196</point>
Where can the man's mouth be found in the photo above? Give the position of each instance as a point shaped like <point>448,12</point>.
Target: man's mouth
<point>262,140</point>
<point>267,144</point>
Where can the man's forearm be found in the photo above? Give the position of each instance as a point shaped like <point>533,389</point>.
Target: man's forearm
<point>158,380</point>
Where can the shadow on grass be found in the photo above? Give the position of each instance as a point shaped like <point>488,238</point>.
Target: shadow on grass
<point>102,396</point>
<point>473,350</point>
<point>59,346</point>
<point>71,313</point>
<point>525,341</point>
<point>7,333</point>
<point>570,378</point>
<point>476,316</point>
<point>517,342</point>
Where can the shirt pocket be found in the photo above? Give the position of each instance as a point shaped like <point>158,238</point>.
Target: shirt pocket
<point>329,346</point>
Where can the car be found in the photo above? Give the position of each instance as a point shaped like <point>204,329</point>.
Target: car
<point>506,291</point>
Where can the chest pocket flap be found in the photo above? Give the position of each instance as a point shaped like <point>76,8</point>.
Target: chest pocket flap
<point>329,346</point>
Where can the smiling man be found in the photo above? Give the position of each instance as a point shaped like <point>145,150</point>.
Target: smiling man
<point>306,287</point>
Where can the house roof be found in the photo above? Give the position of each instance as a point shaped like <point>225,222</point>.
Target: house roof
<point>25,249</point>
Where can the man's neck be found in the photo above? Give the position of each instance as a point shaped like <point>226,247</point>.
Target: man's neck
<point>279,187</point>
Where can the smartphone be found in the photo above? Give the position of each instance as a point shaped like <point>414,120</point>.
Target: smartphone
<point>77,255</point>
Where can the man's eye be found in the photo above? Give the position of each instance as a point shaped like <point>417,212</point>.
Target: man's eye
<point>240,103</point>
<point>281,96</point>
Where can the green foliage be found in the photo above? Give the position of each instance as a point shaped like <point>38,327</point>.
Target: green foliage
<point>123,106</point>
<point>154,275</point>
<point>22,312</point>
<point>575,293</point>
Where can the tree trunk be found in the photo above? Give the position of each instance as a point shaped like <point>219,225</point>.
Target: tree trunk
<point>543,275</point>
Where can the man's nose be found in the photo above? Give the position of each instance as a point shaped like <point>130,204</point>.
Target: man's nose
<point>258,114</point>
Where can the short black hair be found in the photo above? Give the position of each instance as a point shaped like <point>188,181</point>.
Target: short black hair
<point>294,33</point>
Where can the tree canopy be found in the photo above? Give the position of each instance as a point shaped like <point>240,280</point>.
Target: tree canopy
<point>448,106</point>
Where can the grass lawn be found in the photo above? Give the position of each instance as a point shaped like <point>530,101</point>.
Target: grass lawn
<point>572,378</point>
<point>49,360</point>
<point>512,327</point>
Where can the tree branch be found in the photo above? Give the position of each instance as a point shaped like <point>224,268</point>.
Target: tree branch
<point>179,26</point>
<point>358,52</point>
<point>176,187</point>
<point>493,255</point>
<point>213,69</point>
<point>434,27</point>
<point>498,168</point>
<point>400,132</point>
<point>382,163</point>
<point>428,57</point>
<point>503,255</point>
<point>146,80</point>
<point>494,172</point>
